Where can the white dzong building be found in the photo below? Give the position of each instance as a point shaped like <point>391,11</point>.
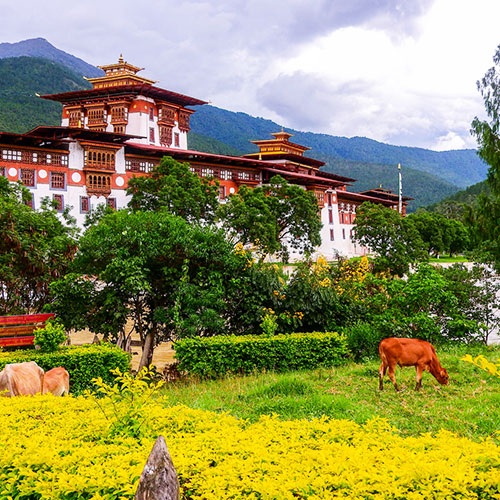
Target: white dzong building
<point>124,125</point>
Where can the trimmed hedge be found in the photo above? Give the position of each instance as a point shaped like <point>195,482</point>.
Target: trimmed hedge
<point>216,356</point>
<point>82,362</point>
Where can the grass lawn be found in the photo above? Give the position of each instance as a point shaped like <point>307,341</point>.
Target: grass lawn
<point>444,259</point>
<point>469,406</point>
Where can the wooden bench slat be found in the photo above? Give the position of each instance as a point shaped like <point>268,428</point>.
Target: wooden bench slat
<point>16,341</point>
<point>11,331</point>
<point>25,319</point>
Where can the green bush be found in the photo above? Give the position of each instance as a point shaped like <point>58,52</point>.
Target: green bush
<point>363,340</point>
<point>82,362</point>
<point>216,356</point>
<point>50,337</point>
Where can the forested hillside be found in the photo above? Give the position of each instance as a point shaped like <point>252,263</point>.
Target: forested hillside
<point>21,78</point>
<point>460,168</point>
<point>425,188</point>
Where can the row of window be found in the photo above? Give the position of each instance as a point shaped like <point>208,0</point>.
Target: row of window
<point>85,206</point>
<point>136,165</point>
<point>42,158</point>
<point>332,234</point>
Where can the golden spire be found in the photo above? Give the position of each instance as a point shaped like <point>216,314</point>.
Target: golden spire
<point>120,59</point>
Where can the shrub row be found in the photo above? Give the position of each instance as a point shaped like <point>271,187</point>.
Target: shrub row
<point>82,362</point>
<point>61,449</point>
<point>216,356</point>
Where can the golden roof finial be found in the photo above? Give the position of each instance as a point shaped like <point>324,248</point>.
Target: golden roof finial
<point>120,59</point>
<point>380,187</point>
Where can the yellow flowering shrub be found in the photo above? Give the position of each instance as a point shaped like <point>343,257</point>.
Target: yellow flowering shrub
<point>62,448</point>
<point>484,364</point>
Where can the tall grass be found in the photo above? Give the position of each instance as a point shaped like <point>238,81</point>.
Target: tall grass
<point>469,406</point>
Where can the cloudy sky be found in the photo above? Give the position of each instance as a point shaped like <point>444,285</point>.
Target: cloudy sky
<point>398,71</point>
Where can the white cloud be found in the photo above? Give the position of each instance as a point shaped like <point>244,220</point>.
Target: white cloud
<point>400,71</point>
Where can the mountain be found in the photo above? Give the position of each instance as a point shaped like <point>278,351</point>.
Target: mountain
<point>20,79</point>
<point>453,206</point>
<point>423,187</point>
<point>460,168</point>
<point>39,47</point>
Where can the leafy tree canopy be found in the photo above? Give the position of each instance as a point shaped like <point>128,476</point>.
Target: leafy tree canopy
<point>35,249</point>
<point>274,217</point>
<point>394,238</point>
<point>486,219</point>
<point>168,278</point>
<point>174,188</point>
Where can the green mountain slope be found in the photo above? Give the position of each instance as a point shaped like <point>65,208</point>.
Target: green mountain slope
<point>461,167</point>
<point>20,79</point>
<point>423,187</point>
<point>198,142</point>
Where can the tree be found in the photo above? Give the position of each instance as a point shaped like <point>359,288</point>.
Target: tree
<point>486,220</point>
<point>394,238</point>
<point>275,217</point>
<point>173,187</point>
<point>35,249</point>
<point>439,233</point>
<point>153,269</point>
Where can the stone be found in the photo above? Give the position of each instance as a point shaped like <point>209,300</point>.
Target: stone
<point>159,478</point>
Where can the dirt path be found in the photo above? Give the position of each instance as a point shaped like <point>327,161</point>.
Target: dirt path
<point>163,355</point>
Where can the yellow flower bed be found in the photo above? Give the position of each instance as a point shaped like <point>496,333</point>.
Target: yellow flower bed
<point>61,448</point>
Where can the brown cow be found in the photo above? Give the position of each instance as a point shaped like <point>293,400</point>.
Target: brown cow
<point>409,352</point>
<point>56,381</point>
<point>21,379</point>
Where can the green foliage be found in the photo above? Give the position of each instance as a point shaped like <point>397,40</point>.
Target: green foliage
<point>392,237</point>
<point>200,142</point>
<point>174,188</point>
<point>83,363</point>
<point>35,249</point>
<point>129,397</point>
<point>363,340</point>
<point>273,217</point>
<point>51,336</point>
<point>170,279</point>
<point>217,356</point>
<point>439,233</point>
<point>486,214</point>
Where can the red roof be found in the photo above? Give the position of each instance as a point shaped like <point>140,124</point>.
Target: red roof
<point>122,91</point>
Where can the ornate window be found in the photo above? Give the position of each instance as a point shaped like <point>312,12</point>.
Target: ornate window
<point>226,175</point>
<point>166,114</point>
<point>177,139</point>
<point>84,204</point>
<point>111,202</point>
<point>151,134</point>
<point>28,177</point>
<point>57,180</point>
<point>165,135</point>
<point>98,184</point>
<point>183,120</point>
<point>59,202</point>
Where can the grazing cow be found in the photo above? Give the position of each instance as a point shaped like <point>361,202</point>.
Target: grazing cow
<point>409,352</point>
<point>21,379</point>
<point>56,381</point>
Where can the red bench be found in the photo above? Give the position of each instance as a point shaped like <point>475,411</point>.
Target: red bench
<point>18,330</point>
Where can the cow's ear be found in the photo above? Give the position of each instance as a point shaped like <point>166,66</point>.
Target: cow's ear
<point>443,373</point>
